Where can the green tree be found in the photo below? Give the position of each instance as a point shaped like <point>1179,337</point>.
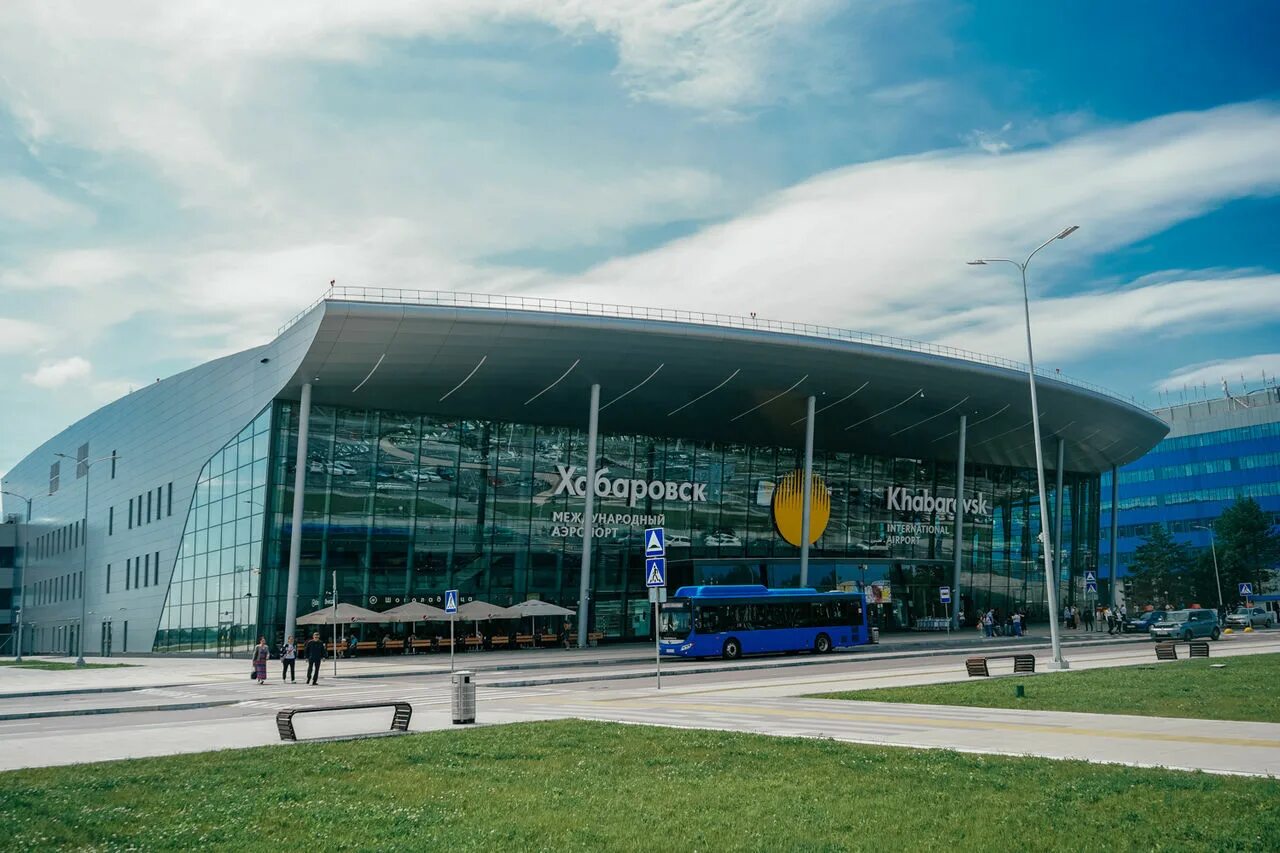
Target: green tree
<point>1158,569</point>
<point>1248,548</point>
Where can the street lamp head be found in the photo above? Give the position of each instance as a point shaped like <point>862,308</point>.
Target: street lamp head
<point>62,456</point>
<point>1067,232</point>
<point>976,263</point>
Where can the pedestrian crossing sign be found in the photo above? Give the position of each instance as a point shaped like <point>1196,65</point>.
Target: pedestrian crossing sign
<point>451,601</point>
<point>1090,577</point>
<point>655,571</point>
<point>1246,589</point>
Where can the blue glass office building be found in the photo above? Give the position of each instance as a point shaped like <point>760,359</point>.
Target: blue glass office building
<point>1216,452</point>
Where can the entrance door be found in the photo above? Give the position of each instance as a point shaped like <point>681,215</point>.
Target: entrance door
<point>106,639</point>
<point>225,639</point>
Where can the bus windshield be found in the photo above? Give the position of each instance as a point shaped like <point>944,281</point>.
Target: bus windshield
<point>674,621</point>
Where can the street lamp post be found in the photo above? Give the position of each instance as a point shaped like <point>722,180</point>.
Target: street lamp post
<point>1045,546</point>
<point>84,569</point>
<point>22,586</point>
<point>1213,549</point>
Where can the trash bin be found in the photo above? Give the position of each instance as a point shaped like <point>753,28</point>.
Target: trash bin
<point>875,635</point>
<point>464,697</point>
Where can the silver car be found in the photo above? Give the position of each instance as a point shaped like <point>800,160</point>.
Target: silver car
<point>1251,617</point>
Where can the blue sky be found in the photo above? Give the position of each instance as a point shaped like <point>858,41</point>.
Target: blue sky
<point>178,179</point>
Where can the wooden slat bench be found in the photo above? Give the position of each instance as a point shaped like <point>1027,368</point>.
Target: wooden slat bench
<point>1168,649</point>
<point>524,641</point>
<point>594,638</point>
<point>501,641</point>
<point>399,720</point>
<point>977,667</point>
<point>474,643</point>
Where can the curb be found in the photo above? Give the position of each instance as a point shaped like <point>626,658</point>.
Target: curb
<point>88,712</point>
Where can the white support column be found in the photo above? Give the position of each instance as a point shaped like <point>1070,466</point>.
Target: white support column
<point>958,543</point>
<point>588,517</point>
<point>295,534</point>
<point>806,499</point>
<point>1057,520</point>
<point>1115,535</point>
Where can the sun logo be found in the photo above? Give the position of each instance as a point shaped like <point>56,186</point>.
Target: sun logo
<point>788,508</point>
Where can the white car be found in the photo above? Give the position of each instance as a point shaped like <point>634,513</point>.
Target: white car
<point>713,540</point>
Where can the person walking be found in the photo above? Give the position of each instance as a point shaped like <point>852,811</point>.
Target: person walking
<point>988,623</point>
<point>1017,623</point>
<point>315,654</point>
<point>1111,621</point>
<point>260,655</point>
<point>289,661</point>
<point>1088,618</point>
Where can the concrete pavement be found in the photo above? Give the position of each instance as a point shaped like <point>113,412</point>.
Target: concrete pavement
<point>769,701</point>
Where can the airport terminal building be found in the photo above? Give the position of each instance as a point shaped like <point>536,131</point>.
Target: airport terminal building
<point>444,444</point>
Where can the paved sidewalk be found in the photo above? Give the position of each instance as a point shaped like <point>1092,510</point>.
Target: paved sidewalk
<point>1213,746</point>
<point>147,671</point>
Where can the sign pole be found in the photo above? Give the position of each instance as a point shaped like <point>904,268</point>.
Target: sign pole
<point>655,578</point>
<point>451,607</point>
<point>453,617</point>
<point>657,648</point>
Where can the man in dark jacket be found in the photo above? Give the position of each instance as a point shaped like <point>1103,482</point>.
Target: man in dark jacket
<point>315,653</point>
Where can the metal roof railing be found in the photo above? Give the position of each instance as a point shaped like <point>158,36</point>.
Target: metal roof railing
<point>458,299</point>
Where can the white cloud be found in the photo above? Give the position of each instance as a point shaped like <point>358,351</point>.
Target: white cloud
<point>18,336</point>
<point>27,203</point>
<point>55,374</point>
<point>1212,373</point>
<point>73,268</point>
<point>882,246</point>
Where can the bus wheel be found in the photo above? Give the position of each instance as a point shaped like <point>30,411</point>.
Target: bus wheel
<point>822,645</point>
<point>732,650</point>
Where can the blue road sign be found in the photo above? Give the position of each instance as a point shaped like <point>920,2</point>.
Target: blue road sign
<point>1246,589</point>
<point>451,601</point>
<point>1090,577</point>
<point>655,542</point>
<point>944,595</point>
<point>1090,586</point>
<point>655,571</point>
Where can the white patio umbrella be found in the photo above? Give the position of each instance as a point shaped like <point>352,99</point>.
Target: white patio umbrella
<point>474,611</point>
<point>346,613</point>
<point>415,612</point>
<point>535,607</point>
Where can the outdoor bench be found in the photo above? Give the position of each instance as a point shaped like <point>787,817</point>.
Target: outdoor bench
<point>977,667</point>
<point>399,720</point>
<point>1168,649</point>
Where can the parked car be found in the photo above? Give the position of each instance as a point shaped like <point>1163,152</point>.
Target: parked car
<point>1255,617</point>
<point>724,538</point>
<point>1187,625</point>
<point>1142,623</point>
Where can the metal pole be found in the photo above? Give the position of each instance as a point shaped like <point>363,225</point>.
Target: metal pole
<point>1115,534</point>
<point>588,516</point>
<point>1045,548</point>
<point>335,622</point>
<point>453,617</point>
<point>1213,548</point>
<point>806,498</point>
<point>1057,507</point>
<point>84,573</point>
<point>295,535</point>
<point>657,649</point>
<point>953,619</point>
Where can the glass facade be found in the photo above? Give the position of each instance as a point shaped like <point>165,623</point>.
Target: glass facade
<point>212,605</point>
<point>401,507</point>
<point>1184,483</point>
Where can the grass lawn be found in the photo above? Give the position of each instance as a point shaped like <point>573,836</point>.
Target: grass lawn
<point>571,785</point>
<point>31,663</point>
<point>1244,689</point>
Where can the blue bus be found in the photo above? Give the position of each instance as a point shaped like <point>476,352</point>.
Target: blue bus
<point>732,621</point>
